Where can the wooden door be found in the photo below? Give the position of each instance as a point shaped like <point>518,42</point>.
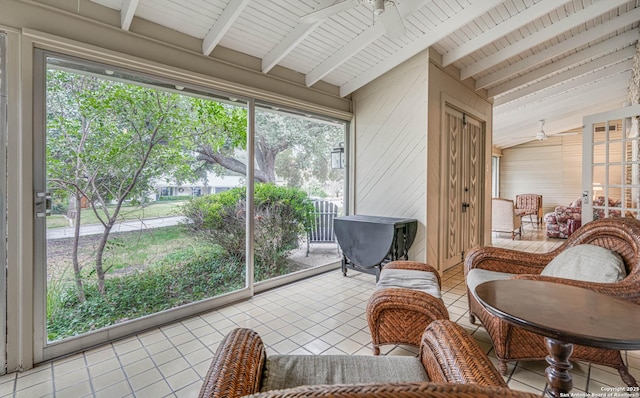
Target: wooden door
<point>462,174</point>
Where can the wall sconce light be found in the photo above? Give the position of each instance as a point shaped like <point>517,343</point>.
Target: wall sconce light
<point>337,157</point>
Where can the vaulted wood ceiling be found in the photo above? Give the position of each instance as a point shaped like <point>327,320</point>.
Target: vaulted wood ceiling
<point>551,60</point>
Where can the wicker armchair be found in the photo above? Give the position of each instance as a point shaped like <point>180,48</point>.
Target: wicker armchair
<point>621,235</point>
<point>447,352</point>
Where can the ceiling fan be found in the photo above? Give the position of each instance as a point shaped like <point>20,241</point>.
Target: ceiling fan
<point>386,9</point>
<point>540,135</point>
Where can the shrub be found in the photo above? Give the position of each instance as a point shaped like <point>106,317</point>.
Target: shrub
<point>281,215</point>
<point>181,278</point>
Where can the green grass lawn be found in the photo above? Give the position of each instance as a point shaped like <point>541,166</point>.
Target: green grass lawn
<point>153,210</point>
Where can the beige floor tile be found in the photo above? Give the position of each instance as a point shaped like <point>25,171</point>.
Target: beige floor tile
<point>174,366</point>
<point>516,385</point>
<point>133,356</point>
<point>108,379</point>
<point>182,379</point>
<point>317,346</point>
<point>118,390</point>
<point>35,390</point>
<point>138,367</point>
<point>144,379</point>
<point>70,379</point>
<point>34,376</point>
<point>68,365</point>
<point>189,391</point>
<point>77,390</point>
<point>158,389</point>
<point>99,355</point>
<point>198,356</point>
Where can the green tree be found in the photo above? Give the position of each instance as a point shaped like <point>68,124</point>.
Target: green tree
<point>108,142</point>
<point>290,147</point>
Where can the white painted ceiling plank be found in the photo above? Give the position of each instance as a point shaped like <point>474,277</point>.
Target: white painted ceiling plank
<point>509,25</point>
<point>295,37</point>
<point>571,82</point>
<point>598,63</point>
<point>548,33</point>
<point>580,97</point>
<point>222,25</point>
<point>127,11</point>
<point>607,100</point>
<point>420,43</point>
<point>365,38</point>
<point>567,45</point>
<point>617,42</point>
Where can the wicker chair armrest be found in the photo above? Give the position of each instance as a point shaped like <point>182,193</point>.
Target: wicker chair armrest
<point>236,368</point>
<point>506,260</point>
<point>397,390</point>
<point>413,265</point>
<point>626,289</point>
<point>450,355</point>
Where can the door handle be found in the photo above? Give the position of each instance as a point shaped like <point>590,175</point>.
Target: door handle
<point>43,204</point>
<point>465,206</point>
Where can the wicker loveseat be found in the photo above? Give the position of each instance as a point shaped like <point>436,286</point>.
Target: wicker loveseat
<point>448,354</point>
<point>619,234</point>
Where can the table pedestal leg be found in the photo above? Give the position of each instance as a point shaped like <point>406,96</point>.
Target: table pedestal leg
<point>557,372</point>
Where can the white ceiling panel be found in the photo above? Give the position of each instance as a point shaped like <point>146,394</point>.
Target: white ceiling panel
<point>538,59</point>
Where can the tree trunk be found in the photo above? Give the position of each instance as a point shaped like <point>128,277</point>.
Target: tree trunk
<point>99,256</point>
<point>74,254</point>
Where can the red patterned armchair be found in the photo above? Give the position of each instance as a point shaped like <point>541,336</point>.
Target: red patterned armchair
<point>558,220</point>
<point>564,220</point>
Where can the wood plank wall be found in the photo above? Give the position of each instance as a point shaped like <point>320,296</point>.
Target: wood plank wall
<point>390,146</point>
<point>551,168</point>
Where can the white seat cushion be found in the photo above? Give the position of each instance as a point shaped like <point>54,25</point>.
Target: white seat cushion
<point>410,279</point>
<point>587,263</point>
<point>477,276</point>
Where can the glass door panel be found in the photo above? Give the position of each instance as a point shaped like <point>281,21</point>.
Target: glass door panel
<point>610,168</point>
<point>297,192</point>
<point>3,192</point>
<point>140,198</point>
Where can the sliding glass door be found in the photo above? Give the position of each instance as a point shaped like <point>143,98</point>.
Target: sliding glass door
<point>3,203</point>
<point>145,211</point>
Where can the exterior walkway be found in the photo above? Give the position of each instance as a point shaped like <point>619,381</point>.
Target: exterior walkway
<point>133,225</point>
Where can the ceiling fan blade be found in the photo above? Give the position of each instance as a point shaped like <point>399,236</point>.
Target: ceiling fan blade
<point>392,21</point>
<point>326,12</point>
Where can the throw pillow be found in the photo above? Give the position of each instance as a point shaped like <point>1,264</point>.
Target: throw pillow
<point>587,263</point>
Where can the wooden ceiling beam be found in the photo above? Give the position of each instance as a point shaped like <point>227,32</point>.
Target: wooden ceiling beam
<point>562,47</point>
<point>295,37</point>
<point>127,11</point>
<point>601,49</point>
<point>502,29</point>
<point>223,24</point>
<point>616,62</point>
<point>575,19</point>
<point>424,41</point>
<point>356,45</point>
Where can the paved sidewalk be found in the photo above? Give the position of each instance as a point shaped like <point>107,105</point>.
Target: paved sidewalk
<point>133,225</point>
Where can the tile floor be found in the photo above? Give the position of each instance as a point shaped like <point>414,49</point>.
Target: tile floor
<point>320,315</point>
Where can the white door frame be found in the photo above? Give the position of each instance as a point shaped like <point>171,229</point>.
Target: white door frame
<point>587,152</point>
<point>3,197</point>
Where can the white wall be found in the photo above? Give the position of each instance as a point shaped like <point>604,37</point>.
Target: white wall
<point>390,147</point>
<point>551,168</point>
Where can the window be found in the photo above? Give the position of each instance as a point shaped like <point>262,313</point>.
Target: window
<point>495,176</point>
<point>150,198</point>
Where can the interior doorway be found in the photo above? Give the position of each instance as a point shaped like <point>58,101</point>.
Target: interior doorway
<point>462,174</point>
<point>611,164</point>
